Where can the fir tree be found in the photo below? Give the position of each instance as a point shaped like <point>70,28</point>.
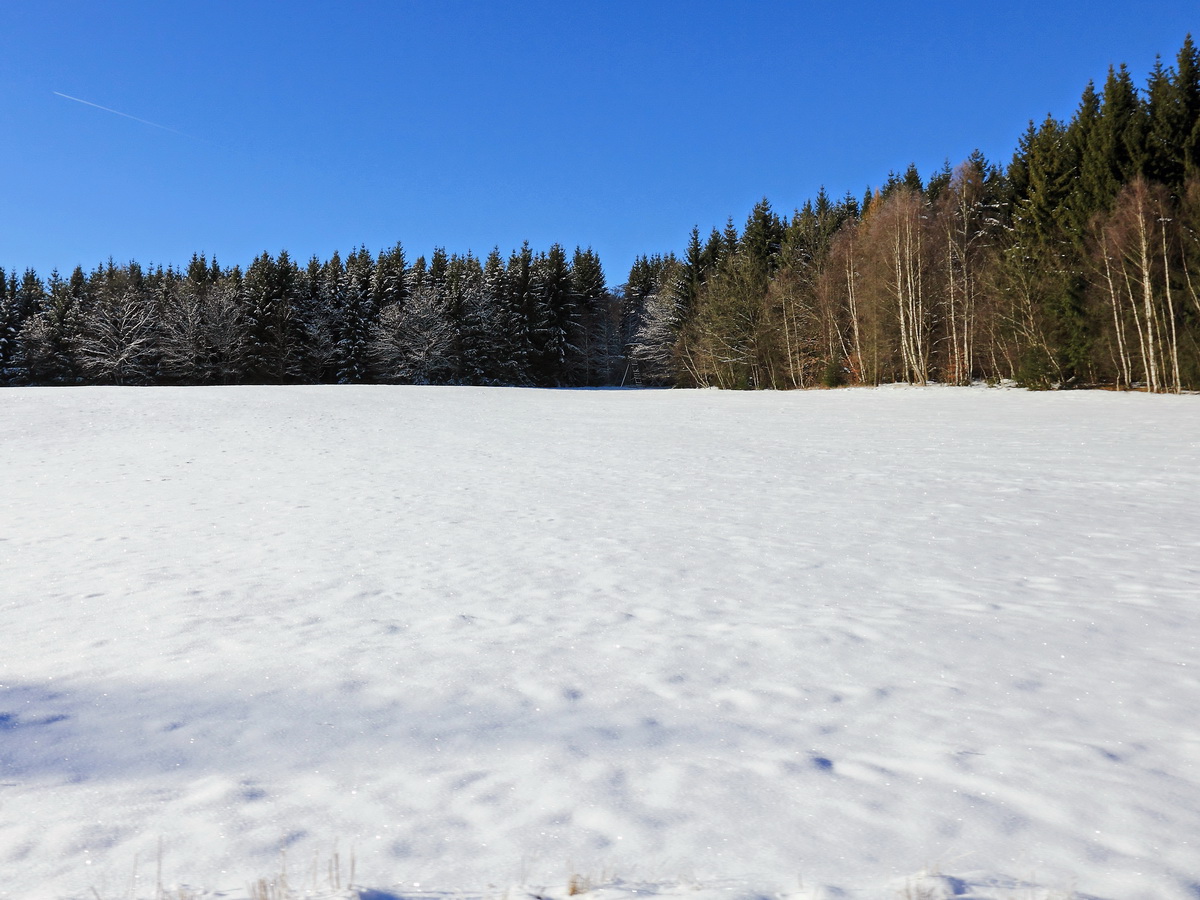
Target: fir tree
<point>50,337</point>
<point>271,331</point>
<point>518,276</point>
<point>1173,117</point>
<point>388,282</point>
<point>595,337</point>
<point>554,317</point>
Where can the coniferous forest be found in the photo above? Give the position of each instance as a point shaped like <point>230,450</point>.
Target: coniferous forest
<point>1077,264</point>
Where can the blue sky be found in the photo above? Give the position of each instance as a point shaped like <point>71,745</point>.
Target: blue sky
<point>620,125</point>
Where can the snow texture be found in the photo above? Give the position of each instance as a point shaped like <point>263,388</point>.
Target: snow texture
<point>890,643</point>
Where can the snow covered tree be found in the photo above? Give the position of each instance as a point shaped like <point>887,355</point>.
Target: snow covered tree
<point>414,343</point>
<point>388,283</point>
<point>118,339</point>
<point>597,342</point>
<point>553,316</point>
<point>50,337</point>
<point>516,304</point>
<point>270,339</point>
<point>199,328</point>
<point>19,300</point>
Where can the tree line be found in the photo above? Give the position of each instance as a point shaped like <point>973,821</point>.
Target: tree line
<point>1076,264</point>
<point>533,318</point>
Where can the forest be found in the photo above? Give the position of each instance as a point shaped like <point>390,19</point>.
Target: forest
<point>1076,265</point>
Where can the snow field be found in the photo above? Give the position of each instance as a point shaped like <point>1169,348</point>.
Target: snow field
<point>805,644</point>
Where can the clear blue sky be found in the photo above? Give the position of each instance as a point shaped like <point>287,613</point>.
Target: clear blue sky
<point>313,127</point>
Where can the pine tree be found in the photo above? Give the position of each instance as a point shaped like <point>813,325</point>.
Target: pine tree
<point>508,363</point>
<point>596,337</point>
<point>355,324</point>
<point>694,273</point>
<point>1187,89</point>
<point>50,336</point>
<point>347,316</point>
<point>1173,118</point>
<point>714,250</point>
<point>518,276</point>
<point>270,339</point>
<point>388,283</point>
<point>1116,149</point>
<point>1090,191</point>
<point>762,238</point>
<point>554,317</point>
<point>1041,262</point>
<point>938,182</point>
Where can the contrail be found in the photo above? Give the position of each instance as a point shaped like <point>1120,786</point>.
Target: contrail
<point>119,113</point>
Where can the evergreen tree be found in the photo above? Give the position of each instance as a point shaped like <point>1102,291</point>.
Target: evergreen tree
<point>651,321</point>
<point>501,324</point>
<point>49,338</point>
<point>939,182</point>
<point>1090,192</point>
<point>518,277</point>
<point>357,315</point>
<point>762,238</point>
<point>1173,119</point>
<point>11,321</point>
<point>1116,150</point>
<point>694,272</point>
<point>596,337</point>
<point>554,318</point>
<point>1046,284</point>
<point>388,284</point>
<point>270,329</point>
<point>714,250</point>
<point>1187,90</point>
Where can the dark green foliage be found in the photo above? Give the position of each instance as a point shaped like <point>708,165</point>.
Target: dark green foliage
<point>554,318</point>
<point>388,283</point>
<point>271,330</point>
<point>834,374</point>
<point>596,335</point>
<point>762,238</point>
<point>1112,149</point>
<point>49,337</point>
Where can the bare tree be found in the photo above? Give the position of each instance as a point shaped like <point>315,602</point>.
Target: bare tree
<point>414,344</point>
<point>117,341</point>
<point>199,333</point>
<point>1136,246</point>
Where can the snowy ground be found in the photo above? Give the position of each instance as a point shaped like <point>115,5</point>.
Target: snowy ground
<point>702,644</point>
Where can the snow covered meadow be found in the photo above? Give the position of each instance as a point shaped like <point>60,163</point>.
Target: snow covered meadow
<point>889,643</point>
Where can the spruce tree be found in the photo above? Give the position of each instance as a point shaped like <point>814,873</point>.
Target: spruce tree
<point>1173,116</point>
<point>356,320</point>
<point>1090,192</point>
<point>595,333</point>
<point>271,332</point>
<point>762,238</point>
<point>554,317</point>
<point>388,282</point>
<point>509,333</point>
<point>694,272</point>
<point>1187,89</point>
<point>518,277</point>
<point>50,336</point>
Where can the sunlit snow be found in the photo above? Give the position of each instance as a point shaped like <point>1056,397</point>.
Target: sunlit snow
<point>859,643</point>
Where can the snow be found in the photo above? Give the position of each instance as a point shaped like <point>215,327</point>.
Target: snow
<point>860,643</point>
